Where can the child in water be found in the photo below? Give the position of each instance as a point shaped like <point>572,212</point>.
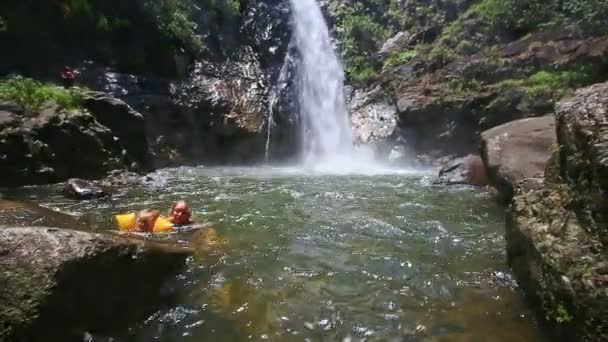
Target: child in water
<point>180,214</point>
<point>146,220</point>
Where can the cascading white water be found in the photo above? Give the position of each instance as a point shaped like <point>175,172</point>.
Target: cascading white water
<point>326,136</point>
<point>273,98</point>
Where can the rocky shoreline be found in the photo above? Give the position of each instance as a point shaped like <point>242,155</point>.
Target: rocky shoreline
<point>557,227</point>
<point>551,173</point>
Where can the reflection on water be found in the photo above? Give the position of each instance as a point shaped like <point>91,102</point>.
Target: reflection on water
<point>301,257</point>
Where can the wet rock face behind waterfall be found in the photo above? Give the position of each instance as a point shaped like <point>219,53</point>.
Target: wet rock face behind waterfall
<point>219,111</point>
<point>58,284</point>
<point>557,228</point>
<point>373,120</point>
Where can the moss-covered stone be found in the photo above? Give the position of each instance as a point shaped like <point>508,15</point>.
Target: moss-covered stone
<point>557,229</point>
<point>57,284</point>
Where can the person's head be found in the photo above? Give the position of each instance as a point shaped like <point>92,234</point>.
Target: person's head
<point>146,219</point>
<point>180,213</point>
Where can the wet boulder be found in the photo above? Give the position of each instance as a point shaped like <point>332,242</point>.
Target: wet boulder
<point>58,284</point>
<point>465,170</point>
<point>83,189</point>
<point>517,150</point>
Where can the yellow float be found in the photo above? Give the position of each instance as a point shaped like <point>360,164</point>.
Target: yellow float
<point>129,222</point>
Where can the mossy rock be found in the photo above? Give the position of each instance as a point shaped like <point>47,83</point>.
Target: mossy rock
<point>57,284</point>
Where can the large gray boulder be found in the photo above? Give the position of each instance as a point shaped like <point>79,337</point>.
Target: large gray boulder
<point>57,284</point>
<point>517,150</point>
<point>557,226</point>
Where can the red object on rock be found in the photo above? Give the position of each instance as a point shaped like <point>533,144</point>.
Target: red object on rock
<point>67,77</point>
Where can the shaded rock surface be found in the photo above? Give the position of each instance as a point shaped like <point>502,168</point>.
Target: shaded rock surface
<point>125,123</point>
<point>465,170</point>
<point>54,144</point>
<point>516,151</point>
<point>58,284</point>
<point>557,225</point>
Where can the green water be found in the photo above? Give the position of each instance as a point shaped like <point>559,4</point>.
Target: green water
<point>328,258</point>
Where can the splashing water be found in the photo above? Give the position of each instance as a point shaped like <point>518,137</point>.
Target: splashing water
<point>327,139</point>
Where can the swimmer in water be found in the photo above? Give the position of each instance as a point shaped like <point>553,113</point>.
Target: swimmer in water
<point>180,214</point>
<point>146,220</point>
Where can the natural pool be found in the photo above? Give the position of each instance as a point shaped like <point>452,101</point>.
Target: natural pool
<point>313,257</point>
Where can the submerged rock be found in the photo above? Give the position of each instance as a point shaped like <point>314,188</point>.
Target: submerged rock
<point>465,170</point>
<point>83,189</point>
<point>58,283</point>
<point>557,228</point>
<point>516,151</point>
<point>16,213</point>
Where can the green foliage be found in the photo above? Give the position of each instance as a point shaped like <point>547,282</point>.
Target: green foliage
<point>361,28</point>
<point>3,24</point>
<point>360,70</point>
<point>509,84</point>
<point>490,22</point>
<point>400,57</point>
<point>359,35</point>
<point>460,86</point>
<point>173,19</point>
<point>548,85</point>
<point>532,15</point>
<point>555,83</point>
<point>32,94</point>
<point>562,315</point>
<point>233,6</point>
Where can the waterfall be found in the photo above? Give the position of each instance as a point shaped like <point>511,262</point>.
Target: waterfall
<point>326,131</point>
<point>273,99</point>
<point>269,125</point>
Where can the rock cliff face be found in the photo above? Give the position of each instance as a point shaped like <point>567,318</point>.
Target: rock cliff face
<point>557,229</point>
<point>211,78</point>
<point>453,69</point>
<point>180,106</point>
<point>443,111</point>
